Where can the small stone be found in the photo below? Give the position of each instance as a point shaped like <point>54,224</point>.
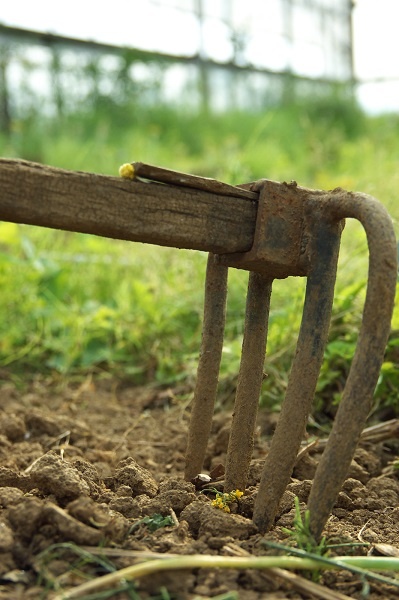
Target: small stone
<point>201,480</point>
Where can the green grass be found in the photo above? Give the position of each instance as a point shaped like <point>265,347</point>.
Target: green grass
<point>72,303</point>
<point>113,582</point>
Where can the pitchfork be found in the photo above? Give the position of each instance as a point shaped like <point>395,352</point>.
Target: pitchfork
<point>297,233</point>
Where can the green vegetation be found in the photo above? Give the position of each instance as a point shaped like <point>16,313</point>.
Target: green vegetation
<point>156,521</point>
<point>303,538</point>
<point>113,581</point>
<point>364,566</point>
<point>80,561</point>
<point>301,533</point>
<point>74,303</point>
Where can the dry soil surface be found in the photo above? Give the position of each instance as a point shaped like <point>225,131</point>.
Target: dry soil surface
<point>83,464</point>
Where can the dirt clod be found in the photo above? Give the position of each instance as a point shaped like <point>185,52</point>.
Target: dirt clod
<point>206,521</point>
<point>140,480</point>
<point>51,475</point>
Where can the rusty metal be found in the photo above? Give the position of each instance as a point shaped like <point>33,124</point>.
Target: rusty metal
<point>279,245</point>
<point>239,452</point>
<point>208,366</point>
<point>298,233</point>
<point>312,339</point>
<point>369,355</point>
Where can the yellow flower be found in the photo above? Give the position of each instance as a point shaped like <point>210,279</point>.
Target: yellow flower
<point>237,494</point>
<point>223,500</point>
<point>127,171</point>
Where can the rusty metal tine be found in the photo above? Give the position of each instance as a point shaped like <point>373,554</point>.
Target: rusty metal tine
<point>362,379</point>
<point>208,366</point>
<point>312,339</point>
<point>250,377</point>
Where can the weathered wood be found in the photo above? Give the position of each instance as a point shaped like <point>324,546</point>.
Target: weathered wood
<point>161,175</point>
<point>112,207</point>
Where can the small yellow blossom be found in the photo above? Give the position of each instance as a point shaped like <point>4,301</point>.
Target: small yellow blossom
<point>237,494</point>
<point>127,171</point>
<point>223,500</point>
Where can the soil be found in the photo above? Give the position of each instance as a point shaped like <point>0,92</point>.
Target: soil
<point>82,464</point>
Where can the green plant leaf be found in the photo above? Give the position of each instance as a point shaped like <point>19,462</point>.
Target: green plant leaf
<point>157,521</point>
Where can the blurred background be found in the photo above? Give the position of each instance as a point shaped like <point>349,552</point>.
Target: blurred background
<point>233,53</point>
<point>283,89</point>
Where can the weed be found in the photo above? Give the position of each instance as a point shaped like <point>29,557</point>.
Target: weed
<point>303,537</point>
<point>224,499</point>
<point>157,521</point>
<point>301,533</point>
